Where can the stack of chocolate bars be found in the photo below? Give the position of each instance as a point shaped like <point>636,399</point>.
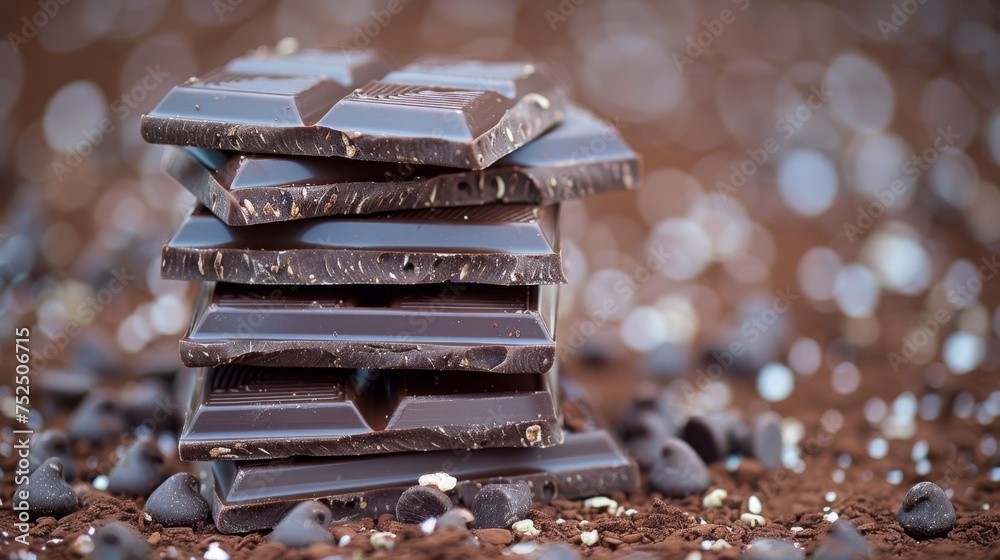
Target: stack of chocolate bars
<point>379,258</point>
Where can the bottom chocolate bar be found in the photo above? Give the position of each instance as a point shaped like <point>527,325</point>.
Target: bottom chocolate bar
<point>255,495</point>
<point>242,412</point>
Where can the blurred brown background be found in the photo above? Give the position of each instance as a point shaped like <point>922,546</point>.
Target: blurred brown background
<point>771,133</point>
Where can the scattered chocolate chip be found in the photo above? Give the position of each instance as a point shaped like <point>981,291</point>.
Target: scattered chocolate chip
<point>554,551</point>
<point>711,435</point>
<point>303,526</point>
<point>647,400</point>
<point>844,543</point>
<point>456,518</point>
<point>647,435</point>
<point>679,471</point>
<point>116,541</point>
<point>47,492</point>
<point>500,505</point>
<point>926,512</point>
<point>97,418</point>
<point>138,471</point>
<point>668,360</point>
<point>420,503</point>
<point>97,355</point>
<point>149,403</point>
<point>762,441</point>
<point>770,549</point>
<point>53,443</point>
<point>177,502</point>
<point>62,390</point>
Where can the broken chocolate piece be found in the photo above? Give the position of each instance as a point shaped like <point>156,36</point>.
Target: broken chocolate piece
<point>497,244</point>
<point>581,157</point>
<point>246,412</point>
<point>468,327</point>
<point>434,111</point>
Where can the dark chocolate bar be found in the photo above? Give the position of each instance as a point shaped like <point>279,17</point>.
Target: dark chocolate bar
<point>434,111</point>
<point>494,244</point>
<point>470,327</point>
<point>244,412</point>
<point>254,495</point>
<point>580,157</point>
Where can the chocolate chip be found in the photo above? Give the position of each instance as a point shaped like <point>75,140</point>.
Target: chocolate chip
<point>419,503</point>
<point>116,541</point>
<point>53,443</point>
<point>648,400</point>
<point>679,471</point>
<point>97,355</point>
<point>177,502</point>
<point>770,549</point>
<point>647,434</point>
<point>500,505</point>
<point>97,418</point>
<point>844,543</point>
<point>47,492</point>
<point>455,519</point>
<point>139,470</point>
<point>554,551</point>
<point>303,526</point>
<point>711,435</point>
<point>668,360</point>
<point>149,403</point>
<point>762,441</point>
<point>926,512</point>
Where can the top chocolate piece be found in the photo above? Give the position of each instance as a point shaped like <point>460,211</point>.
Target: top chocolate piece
<point>434,111</point>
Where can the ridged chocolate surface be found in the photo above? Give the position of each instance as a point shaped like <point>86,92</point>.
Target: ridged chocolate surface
<point>453,113</point>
